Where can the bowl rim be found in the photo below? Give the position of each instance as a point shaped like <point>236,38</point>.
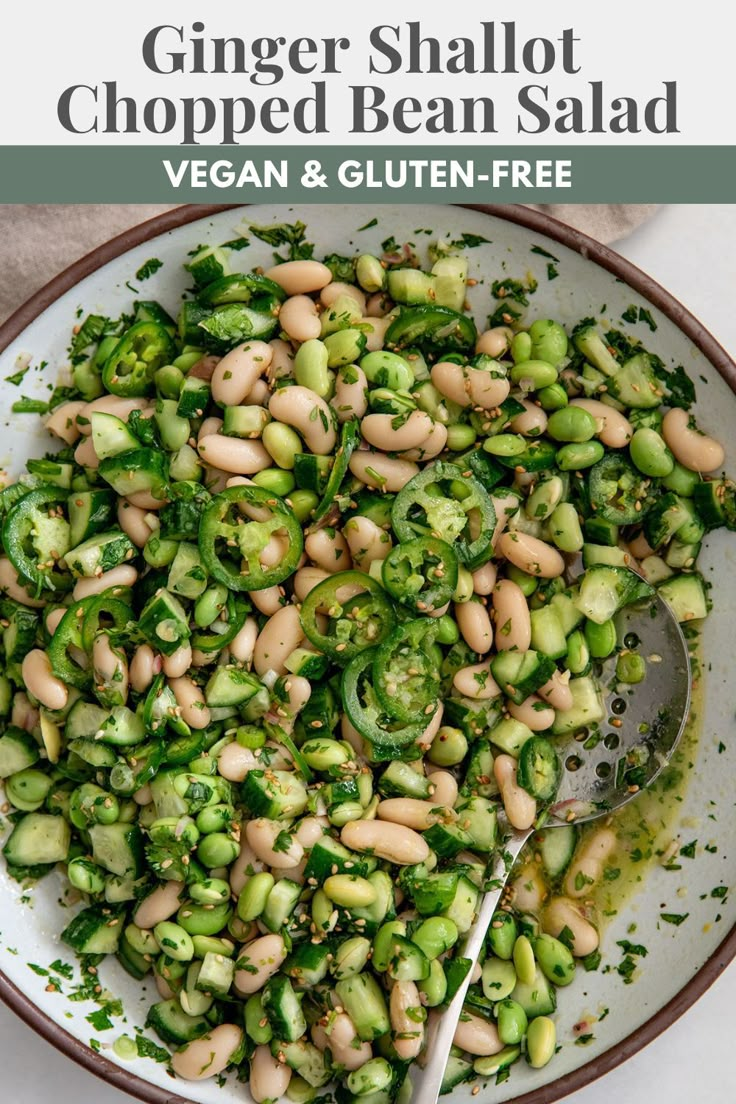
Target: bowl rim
<point>538,222</point>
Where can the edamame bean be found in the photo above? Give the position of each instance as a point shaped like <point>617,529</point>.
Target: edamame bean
<point>601,639</point>
<point>555,960</point>
<point>351,957</point>
<point>434,987</point>
<point>553,397</point>
<point>204,919</point>
<point>505,444</point>
<point>512,1022</point>
<point>345,347</point>
<point>174,941</point>
<point>521,347</point>
<point>549,340</point>
<point>349,890</point>
<point>502,935</point>
<point>86,876</point>
<point>571,424</point>
<point>631,668</point>
<point>524,962</point>
<point>302,503</point>
<point>217,849</point>
<point>256,1022</point>
<point>576,457</point>
<point>387,369</point>
<point>449,747</point>
<point>541,1041</point>
<point>254,895</point>
<point>435,935</point>
<point>460,437</point>
<point>532,375</point>
<point>650,454</point>
<point>370,273</point>
<point>375,1076</point>
<point>498,979</point>
<point>564,528</point>
<point>310,368</point>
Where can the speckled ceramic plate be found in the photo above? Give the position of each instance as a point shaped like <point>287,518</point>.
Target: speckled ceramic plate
<point>619,1017</point>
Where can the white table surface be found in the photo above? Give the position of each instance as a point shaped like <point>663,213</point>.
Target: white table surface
<point>691,250</point>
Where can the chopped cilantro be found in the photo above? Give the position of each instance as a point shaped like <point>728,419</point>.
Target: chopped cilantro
<point>591,961</point>
<point>148,269</point>
<point>688,851</point>
<point>100,1020</point>
<point>632,948</point>
<point>17,377</point>
<point>552,271</point>
<point>148,1049</point>
<point>282,842</point>
<point>236,245</point>
<point>469,241</point>
<point>368,225</point>
<point>675,918</point>
<point>284,233</point>
<point>543,253</point>
<point>719,891</point>
<point>583,1040</point>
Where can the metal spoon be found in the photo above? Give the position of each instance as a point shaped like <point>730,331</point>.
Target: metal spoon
<point>603,770</point>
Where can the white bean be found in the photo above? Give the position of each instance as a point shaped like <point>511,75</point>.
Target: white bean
<point>430,448</point>
<point>381,431</point>
<point>133,521</point>
<point>209,1055</point>
<point>612,428</point>
<point>110,668</point>
<point>269,1078</point>
<point>505,505</point>
<point>268,601</point>
<point>262,834</point>
<point>144,500</point>
<point>556,691</point>
<point>122,576</point>
<point>484,579</point>
<point>531,555</point>
<point>144,667</point>
<point>477,1036</point>
<point>521,808</point>
<point>85,454</point>
<point>470,386</point>
<point>513,621</point>
<point>388,841</point>
<point>53,619</point>
<point>367,541</point>
<point>690,447</point>
<point>190,700</point>
<point>533,713</point>
<point>278,638</point>
<point>308,414</point>
<point>351,393</point>
<point>235,761</point>
<point>107,404</point>
<point>413,812</point>
<point>374,330</point>
<point>476,682</point>
<point>341,1037</point>
<point>244,867</point>
<point>179,662</point>
<point>158,905</point>
<point>383,473</point>
<point>408,1031</point>
<point>336,290</point>
<point>329,550</point>
<point>63,422</point>
<point>241,646</point>
<point>235,375</point>
<point>306,579</point>
<point>282,360</point>
<point>208,427</point>
<point>41,682</point>
<point>232,454</point>
<point>532,423</point>
<point>10,585</point>
<point>299,319</point>
<point>310,829</point>
<point>494,342</point>
<point>563,913</point>
<point>529,889</point>
<point>588,861</point>
<point>474,623</point>
<point>443,787</point>
<point>300,277</point>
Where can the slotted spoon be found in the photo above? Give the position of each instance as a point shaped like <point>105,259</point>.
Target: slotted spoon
<point>604,768</point>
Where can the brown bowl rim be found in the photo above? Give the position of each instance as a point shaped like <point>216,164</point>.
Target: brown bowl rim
<point>539,222</point>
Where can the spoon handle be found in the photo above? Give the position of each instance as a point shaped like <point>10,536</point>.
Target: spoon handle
<point>427,1080</point>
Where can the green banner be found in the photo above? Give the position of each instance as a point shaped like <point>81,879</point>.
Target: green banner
<point>381,174</point>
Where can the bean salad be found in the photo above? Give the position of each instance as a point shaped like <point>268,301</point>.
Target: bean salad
<point>293,613</point>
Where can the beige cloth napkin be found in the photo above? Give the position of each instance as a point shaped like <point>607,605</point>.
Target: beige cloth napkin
<point>39,240</point>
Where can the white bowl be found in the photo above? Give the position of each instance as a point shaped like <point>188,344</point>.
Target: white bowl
<point>682,961</point>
